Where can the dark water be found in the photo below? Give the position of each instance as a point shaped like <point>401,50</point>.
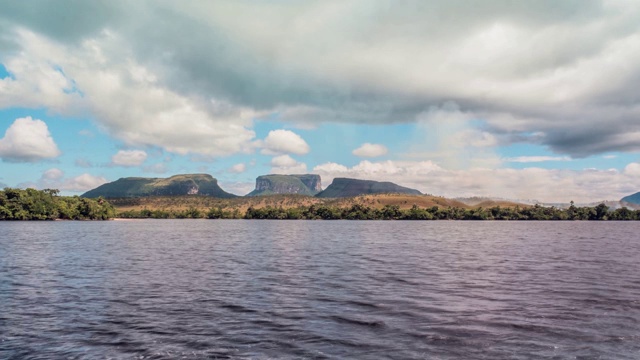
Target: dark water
<point>193,289</point>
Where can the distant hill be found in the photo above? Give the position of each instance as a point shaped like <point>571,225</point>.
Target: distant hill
<point>345,187</point>
<point>189,184</point>
<point>632,199</point>
<point>307,184</point>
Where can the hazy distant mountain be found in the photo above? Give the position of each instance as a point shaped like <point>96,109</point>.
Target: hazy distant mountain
<point>632,199</point>
<point>189,184</point>
<point>345,187</point>
<point>307,184</point>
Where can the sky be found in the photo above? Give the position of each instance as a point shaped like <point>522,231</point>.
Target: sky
<point>524,100</point>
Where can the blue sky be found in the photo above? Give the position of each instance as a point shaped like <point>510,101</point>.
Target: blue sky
<point>536,101</point>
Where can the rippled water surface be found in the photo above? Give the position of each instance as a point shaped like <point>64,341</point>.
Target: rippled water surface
<point>319,290</point>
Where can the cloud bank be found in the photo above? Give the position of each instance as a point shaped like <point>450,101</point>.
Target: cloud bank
<point>562,74</point>
<point>553,185</point>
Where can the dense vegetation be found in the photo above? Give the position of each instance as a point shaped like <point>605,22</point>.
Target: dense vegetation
<point>393,212</point>
<point>31,204</point>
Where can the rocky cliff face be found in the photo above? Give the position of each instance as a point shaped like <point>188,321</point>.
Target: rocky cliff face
<point>307,184</point>
<point>313,182</point>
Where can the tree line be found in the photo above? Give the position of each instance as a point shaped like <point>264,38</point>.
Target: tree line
<point>394,212</point>
<point>32,204</point>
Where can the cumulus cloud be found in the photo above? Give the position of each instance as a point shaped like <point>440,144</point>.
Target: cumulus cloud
<point>28,140</point>
<point>284,142</point>
<point>545,185</point>
<point>55,179</point>
<point>285,164</point>
<point>564,70</point>
<point>82,183</point>
<point>238,168</point>
<point>128,158</point>
<point>370,150</point>
<point>447,135</point>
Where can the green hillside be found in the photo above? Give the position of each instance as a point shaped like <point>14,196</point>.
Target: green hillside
<point>189,184</point>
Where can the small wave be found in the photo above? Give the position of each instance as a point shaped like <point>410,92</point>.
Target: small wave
<point>360,322</point>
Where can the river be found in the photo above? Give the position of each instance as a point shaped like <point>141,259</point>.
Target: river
<point>242,289</point>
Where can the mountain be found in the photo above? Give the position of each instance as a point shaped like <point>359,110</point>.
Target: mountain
<point>307,184</point>
<point>189,184</point>
<point>632,199</point>
<point>344,187</point>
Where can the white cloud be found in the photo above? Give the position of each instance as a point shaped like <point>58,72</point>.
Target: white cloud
<point>446,134</point>
<point>82,183</point>
<point>52,174</point>
<point>54,179</point>
<point>531,159</point>
<point>238,168</point>
<point>370,150</point>
<point>238,188</point>
<point>633,170</point>
<point>128,158</point>
<point>285,164</point>
<point>545,185</point>
<point>28,140</point>
<point>284,142</point>
<point>475,138</point>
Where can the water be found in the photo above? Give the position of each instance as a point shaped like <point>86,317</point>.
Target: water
<point>192,289</point>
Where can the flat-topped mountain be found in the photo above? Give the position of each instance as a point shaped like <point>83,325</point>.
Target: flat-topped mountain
<point>345,187</point>
<point>189,184</point>
<point>307,184</point>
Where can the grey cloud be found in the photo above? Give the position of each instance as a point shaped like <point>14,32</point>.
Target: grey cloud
<point>547,64</point>
<point>72,20</point>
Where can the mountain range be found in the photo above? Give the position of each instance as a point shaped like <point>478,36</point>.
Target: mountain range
<point>266,185</point>
<point>204,184</point>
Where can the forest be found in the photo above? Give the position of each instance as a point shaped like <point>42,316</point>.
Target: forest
<point>393,212</point>
<point>32,204</point>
